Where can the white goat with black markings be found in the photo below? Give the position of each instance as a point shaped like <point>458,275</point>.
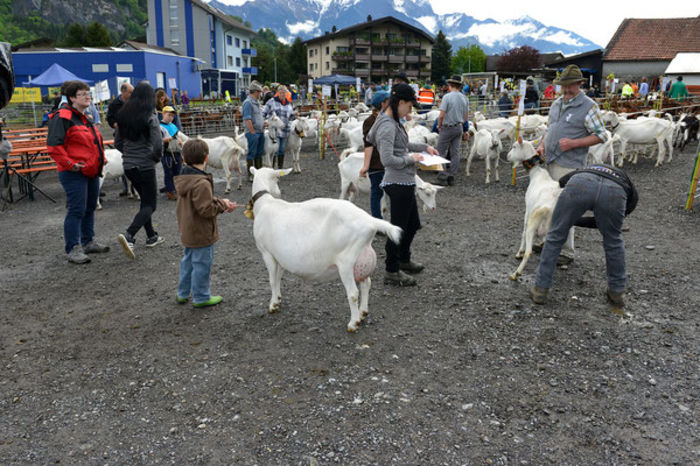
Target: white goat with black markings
<point>317,239</point>
<point>540,199</point>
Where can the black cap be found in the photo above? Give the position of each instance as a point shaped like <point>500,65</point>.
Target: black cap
<point>404,92</point>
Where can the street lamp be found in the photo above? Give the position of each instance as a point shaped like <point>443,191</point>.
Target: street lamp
<point>275,60</point>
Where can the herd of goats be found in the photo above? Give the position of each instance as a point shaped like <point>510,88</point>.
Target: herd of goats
<point>344,248</point>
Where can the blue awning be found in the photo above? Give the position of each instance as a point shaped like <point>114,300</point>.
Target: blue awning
<point>55,75</point>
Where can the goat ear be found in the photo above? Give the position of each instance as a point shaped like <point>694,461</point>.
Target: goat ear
<point>520,140</point>
<point>438,187</point>
<point>284,172</point>
<point>253,170</point>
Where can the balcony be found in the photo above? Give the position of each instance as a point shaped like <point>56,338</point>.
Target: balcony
<point>342,56</point>
<point>361,73</point>
<point>250,52</point>
<point>252,70</point>
<point>364,58</point>
<point>379,58</point>
<point>425,59</point>
<point>341,71</point>
<point>360,41</point>
<point>411,58</point>
<point>412,73</point>
<point>396,58</point>
<point>413,45</point>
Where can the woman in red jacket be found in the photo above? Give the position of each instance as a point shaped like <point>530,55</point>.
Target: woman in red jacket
<point>76,146</point>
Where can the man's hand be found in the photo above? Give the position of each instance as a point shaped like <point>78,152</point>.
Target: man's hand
<point>567,144</point>
<point>540,150</point>
<point>363,171</point>
<point>431,150</point>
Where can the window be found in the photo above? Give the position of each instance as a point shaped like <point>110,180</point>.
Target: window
<point>160,79</point>
<point>238,61</point>
<point>229,40</point>
<point>245,44</point>
<point>174,23</point>
<point>229,60</point>
<point>100,68</point>
<point>327,50</point>
<point>328,65</point>
<point>311,67</point>
<point>238,42</point>
<point>125,68</point>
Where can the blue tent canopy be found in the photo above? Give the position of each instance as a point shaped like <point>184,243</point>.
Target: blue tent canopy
<point>55,75</point>
<point>339,79</point>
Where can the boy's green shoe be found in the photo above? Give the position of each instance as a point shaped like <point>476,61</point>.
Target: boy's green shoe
<point>213,301</point>
<point>182,300</point>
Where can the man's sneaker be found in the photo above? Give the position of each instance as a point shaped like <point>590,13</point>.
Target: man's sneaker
<point>213,301</point>
<point>411,267</point>
<point>77,256</point>
<point>399,278</point>
<point>616,298</point>
<point>94,247</point>
<point>442,182</point>
<point>127,243</point>
<point>154,240</point>
<point>182,300</point>
<point>163,190</point>
<point>539,295</point>
<point>564,260</point>
<point>537,248</point>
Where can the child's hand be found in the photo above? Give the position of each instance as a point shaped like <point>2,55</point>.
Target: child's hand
<point>230,206</point>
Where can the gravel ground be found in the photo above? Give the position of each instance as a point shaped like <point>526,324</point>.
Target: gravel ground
<point>101,366</point>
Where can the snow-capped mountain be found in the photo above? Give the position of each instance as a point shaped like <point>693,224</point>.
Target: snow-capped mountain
<point>311,18</point>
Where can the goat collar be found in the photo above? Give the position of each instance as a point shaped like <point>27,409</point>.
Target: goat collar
<point>299,133</point>
<point>249,206</point>
<point>529,163</point>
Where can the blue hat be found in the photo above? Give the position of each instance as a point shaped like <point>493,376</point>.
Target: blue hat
<point>379,97</point>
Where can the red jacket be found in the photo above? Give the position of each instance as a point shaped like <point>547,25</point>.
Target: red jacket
<point>73,139</point>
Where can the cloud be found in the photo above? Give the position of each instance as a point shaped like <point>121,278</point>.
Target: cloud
<point>302,27</point>
<point>563,37</point>
<point>429,22</point>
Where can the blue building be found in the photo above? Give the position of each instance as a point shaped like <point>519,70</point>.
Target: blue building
<point>196,29</point>
<point>160,66</point>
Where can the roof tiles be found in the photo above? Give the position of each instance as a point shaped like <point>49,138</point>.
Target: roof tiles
<point>653,39</point>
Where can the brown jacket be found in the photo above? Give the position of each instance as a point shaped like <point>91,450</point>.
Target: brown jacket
<point>197,208</point>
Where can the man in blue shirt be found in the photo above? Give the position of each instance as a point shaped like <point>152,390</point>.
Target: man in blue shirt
<point>254,128</point>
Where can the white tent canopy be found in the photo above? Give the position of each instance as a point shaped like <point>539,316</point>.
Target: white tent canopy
<point>684,63</point>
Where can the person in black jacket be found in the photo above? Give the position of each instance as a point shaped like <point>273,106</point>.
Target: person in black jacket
<point>125,92</point>
<point>138,137</point>
<point>609,193</point>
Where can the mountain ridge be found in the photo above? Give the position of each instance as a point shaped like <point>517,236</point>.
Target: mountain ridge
<point>311,18</point>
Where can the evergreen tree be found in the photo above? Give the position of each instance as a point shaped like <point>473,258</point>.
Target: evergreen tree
<point>96,35</point>
<point>75,36</point>
<point>297,58</point>
<point>442,54</point>
<point>469,60</point>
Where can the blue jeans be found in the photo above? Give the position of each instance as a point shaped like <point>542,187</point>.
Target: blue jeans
<point>195,274</point>
<point>81,194</point>
<point>375,193</point>
<point>256,145</point>
<point>607,200</point>
<point>172,164</point>
<point>283,145</point>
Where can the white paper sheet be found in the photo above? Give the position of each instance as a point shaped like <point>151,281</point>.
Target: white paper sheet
<point>429,160</point>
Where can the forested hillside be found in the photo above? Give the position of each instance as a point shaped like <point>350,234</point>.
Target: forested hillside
<point>25,20</point>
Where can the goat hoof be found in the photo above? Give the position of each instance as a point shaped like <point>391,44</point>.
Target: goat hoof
<point>519,255</point>
<point>514,276</point>
<point>228,190</point>
<point>352,327</point>
<point>274,308</point>
<point>99,207</point>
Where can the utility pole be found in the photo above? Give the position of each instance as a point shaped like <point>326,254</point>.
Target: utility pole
<point>470,62</point>
<point>275,59</point>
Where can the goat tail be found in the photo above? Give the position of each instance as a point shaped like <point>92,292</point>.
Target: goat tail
<point>393,232</point>
<point>346,152</point>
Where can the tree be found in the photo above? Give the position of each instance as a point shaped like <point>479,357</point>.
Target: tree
<point>75,36</point>
<point>96,35</point>
<point>523,58</point>
<point>272,53</point>
<point>297,58</point>
<point>469,60</point>
<point>442,53</point>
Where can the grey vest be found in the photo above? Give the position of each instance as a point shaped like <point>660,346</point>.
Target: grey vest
<point>567,124</point>
<point>257,118</point>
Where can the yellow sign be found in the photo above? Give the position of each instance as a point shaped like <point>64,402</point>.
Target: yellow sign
<point>26,95</point>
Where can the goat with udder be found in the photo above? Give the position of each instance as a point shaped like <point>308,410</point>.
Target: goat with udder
<point>224,153</point>
<point>487,144</point>
<point>540,199</point>
<point>317,239</point>
<point>352,184</point>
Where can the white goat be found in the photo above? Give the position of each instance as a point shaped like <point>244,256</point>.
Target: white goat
<point>114,169</point>
<point>352,184</point>
<point>224,153</point>
<point>421,135</point>
<point>646,131</point>
<point>300,129</point>
<point>354,136</point>
<point>497,124</point>
<point>541,197</point>
<point>603,152</point>
<point>272,144</point>
<point>317,240</point>
<point>487,144</point>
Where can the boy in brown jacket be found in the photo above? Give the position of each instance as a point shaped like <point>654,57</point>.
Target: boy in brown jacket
<point>197,209</point>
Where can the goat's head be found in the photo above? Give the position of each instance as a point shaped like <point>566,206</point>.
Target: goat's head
<point>427,193</point>
<point>275,122</point>
<point>522,150</point>
<point>266,179</point>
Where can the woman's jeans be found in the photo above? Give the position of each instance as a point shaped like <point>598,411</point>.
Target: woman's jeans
<point>144,180</point>
<point>375,193</point>
<point>195,274</point>
<point>81,194</point>
<point>282,141</point>
<point>172,164</point>
<point>404,213</point>
<point>607,200</point>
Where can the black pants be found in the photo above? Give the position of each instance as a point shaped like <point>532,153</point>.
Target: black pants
<point>404,213</point>
<point>144,180</point>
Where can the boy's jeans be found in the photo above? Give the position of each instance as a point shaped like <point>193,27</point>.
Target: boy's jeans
<point>195,274</point>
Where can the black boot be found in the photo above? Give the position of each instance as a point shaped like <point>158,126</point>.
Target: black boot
<point>280,162</point>
<point>248,166</point>
<point>274,161</point>
<point>258,163</point>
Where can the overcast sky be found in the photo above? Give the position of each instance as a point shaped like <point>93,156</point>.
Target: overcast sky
<point>595,20</point>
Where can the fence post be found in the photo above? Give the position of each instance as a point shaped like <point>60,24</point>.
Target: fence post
<point>694,182</point>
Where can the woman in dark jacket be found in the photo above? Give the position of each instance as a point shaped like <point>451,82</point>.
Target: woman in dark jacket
<point>139,139</point>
